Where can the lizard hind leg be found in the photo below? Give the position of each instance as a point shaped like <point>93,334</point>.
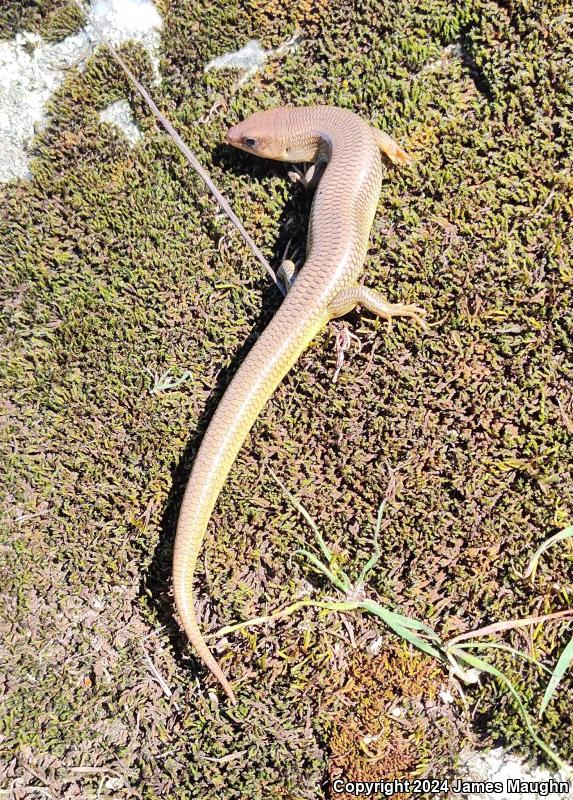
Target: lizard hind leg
<point>373,301</point>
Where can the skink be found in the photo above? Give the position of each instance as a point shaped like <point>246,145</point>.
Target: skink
<point>346,150</point>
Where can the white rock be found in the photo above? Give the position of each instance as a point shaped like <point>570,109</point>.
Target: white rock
<point>32,69</point>
<point>120,115</point>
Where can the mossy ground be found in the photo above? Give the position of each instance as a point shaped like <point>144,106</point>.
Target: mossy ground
<point>115,262</point>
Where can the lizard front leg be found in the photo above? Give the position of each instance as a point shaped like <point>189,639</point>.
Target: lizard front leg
<point>286,273</point>
<point>313,174</point>
<point>390,148</point>
<point>288,269</point>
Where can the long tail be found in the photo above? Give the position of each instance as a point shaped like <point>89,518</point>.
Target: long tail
<point>267,363</point>
<point>182,581</point>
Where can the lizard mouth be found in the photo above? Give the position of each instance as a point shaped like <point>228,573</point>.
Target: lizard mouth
<point>232,136</point>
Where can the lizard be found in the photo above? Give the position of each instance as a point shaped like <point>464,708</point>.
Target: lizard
<point>345,153</point>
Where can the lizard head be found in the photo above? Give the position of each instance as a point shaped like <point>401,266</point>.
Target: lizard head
<point>261,134</point>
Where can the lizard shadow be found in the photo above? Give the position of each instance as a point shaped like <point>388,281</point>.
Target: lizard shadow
<point>155,584</point>
<point>293,221</point>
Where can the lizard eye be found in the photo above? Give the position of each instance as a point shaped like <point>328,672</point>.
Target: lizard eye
<point>248,142</point>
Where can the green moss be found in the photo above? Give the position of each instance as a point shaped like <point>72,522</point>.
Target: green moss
<point>52,19</point>
<point>116,263</point>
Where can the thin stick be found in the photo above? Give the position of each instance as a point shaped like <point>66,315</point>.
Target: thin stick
<point>221,200</point>
<point>186,152</point>
<point>157,675</point>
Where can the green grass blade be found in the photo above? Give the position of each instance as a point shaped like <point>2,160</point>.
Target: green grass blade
<point>404,633</point>
<point>393,617</point>
<point>562,665</point>
<point>507,648</point>
<point>326,552</point>
<point>343,585</point>
<point>375,557</point>
<point>566,533</point>
<point>482,665</point>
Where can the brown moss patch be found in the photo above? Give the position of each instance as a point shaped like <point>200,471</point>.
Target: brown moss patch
<point>388,724</point>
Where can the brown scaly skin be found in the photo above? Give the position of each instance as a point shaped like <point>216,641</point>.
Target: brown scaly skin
<point>341,217</point>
